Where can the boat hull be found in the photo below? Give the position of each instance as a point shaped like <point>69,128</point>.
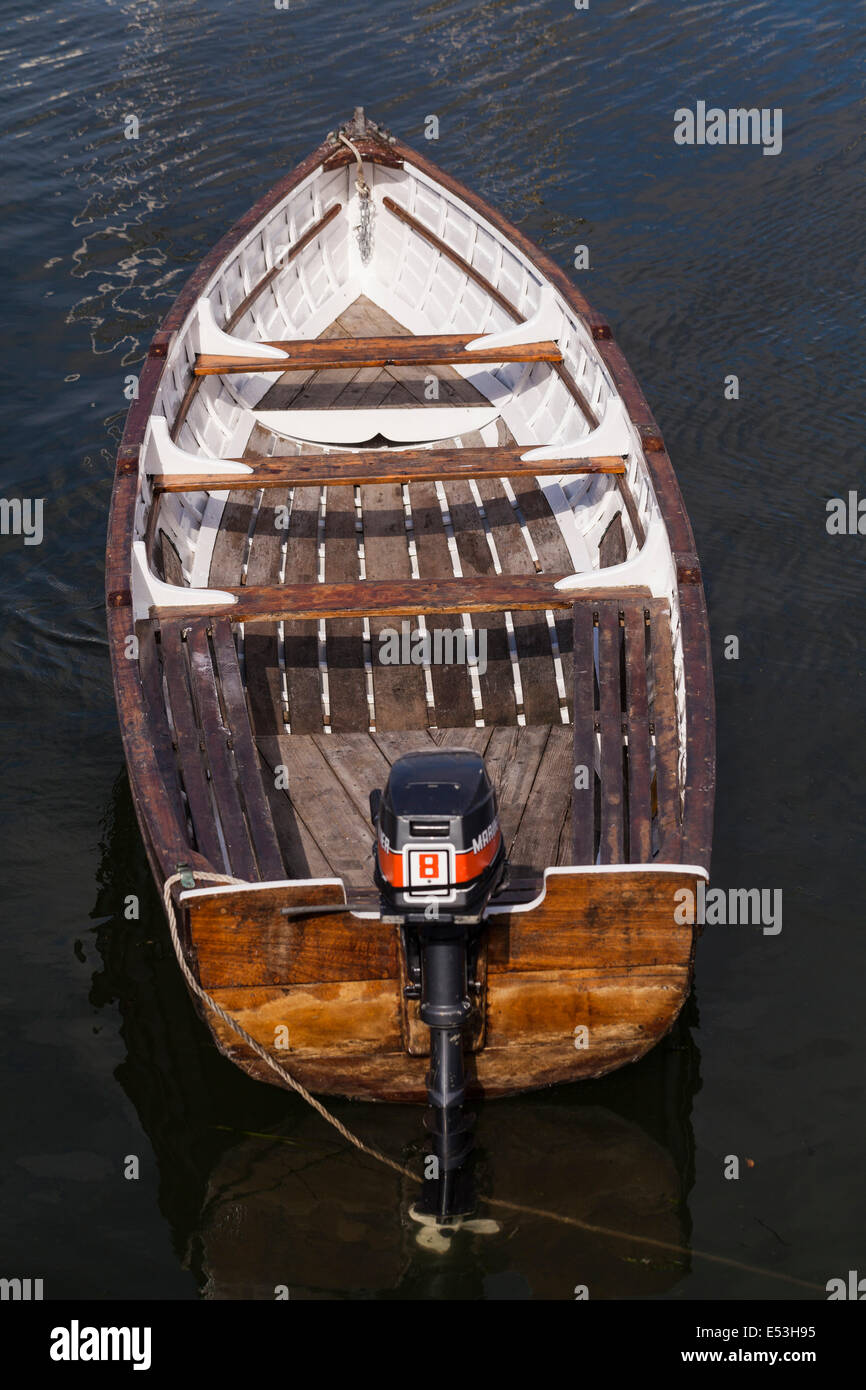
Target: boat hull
<point>584,979</point>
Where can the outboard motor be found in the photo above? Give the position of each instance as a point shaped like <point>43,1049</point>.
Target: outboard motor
<point>439,858</point>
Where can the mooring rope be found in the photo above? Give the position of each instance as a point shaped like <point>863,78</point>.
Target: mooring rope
<point>250,1041</point>
<point>364,230</point>
<point>292,1082</point>
<point>360,183</point>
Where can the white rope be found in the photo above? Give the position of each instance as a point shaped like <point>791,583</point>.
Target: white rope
<point>250,1041</point>
<point>360,183</point>
<point>364,230</point>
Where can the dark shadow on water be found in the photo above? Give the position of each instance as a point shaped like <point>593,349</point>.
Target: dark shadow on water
<point>258,1192</point>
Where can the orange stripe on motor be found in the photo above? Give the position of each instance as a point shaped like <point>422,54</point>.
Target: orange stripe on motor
<point>391,867</point>
<point>468,864</point>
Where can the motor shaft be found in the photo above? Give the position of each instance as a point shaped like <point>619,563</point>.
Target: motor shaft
<point>445,1008</point>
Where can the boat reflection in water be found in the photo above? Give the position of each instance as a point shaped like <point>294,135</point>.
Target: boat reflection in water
<point>260,1194</point>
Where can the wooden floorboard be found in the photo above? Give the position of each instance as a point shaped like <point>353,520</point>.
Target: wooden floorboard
<point>302,855</point>
<point>452,684</point>
<point>638,752</point>
<point>477,740</point>
<point>531,632</point>
<point>359,764</point>
<point>537,840</point>
<point>187,737</point>
<point>398,690</point>
<point>231,540</point>
<point>394,745</point>
<point>498,701</point>
<point>513,757</point>
<point>665,728</point>
<point>611,719</point>
<point>301,639</point>
<point>554,558</point>
<point>261,640</point>
<point>584,775</point>
<point>321,802</point>
<point>216,738</point>
<point>344,643</point>
<point>151,680</point>
<point>262,830</point>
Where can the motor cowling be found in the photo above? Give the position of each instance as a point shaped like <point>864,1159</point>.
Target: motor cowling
<point>438,837</point>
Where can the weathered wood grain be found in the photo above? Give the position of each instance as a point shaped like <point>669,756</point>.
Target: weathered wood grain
<point>387,598</point>
<point>188,740</point>
<point>344,641</point>
<point>242,940</point>
<point>611,717</point>
<point>452,685</point>
<point>422,350</point>
<point>262,829</point>
<point>380,466</point>
<point>584,747</point>
<point>638,750</point>
<point>301,638</point>
<point>398,690</point>
<point>623,919</point>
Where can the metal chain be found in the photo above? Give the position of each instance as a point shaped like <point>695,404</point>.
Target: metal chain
<point>364,229</point>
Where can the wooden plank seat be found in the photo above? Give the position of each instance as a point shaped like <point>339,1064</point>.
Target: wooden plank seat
<point>387,598</point>
<point>626,806</point>
<point>216,758</point>
<point>382,466</point>
<point>422,350</point>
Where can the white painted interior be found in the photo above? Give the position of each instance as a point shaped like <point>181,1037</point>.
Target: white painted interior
<point>411,425</point>
<point>427,293</point>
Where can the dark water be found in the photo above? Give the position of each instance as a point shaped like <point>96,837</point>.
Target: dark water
<point>708,261</point>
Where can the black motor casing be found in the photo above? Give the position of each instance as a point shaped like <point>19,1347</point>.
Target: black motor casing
<point>438,838</point>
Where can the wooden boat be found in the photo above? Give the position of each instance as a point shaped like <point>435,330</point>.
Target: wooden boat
<point>377,414</point>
